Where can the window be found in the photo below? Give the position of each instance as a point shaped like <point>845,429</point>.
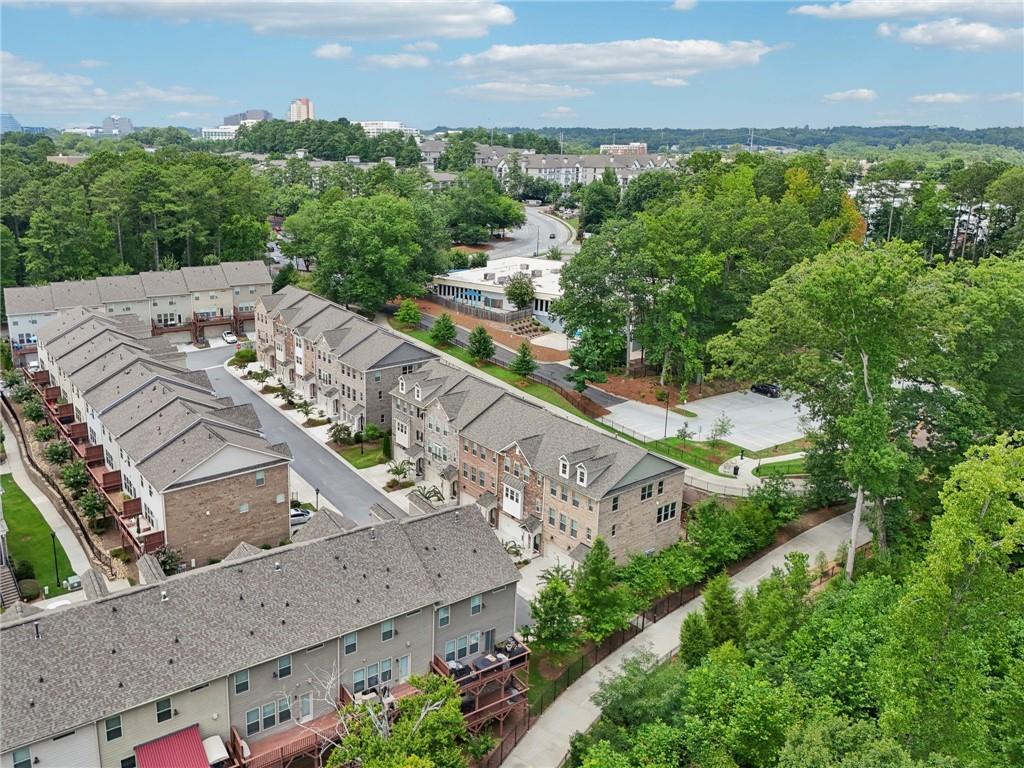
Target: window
<point>444,615</point>
<point>376,375</point>
<point>284,666</point>
<point>280,498</point>
<point>646,492</point>
<point>615,503</point>
<point>387,630</point>
<point>574,529</point>
<point>243,508</point>
<point>261,478</point>
<point>581,475</point>
<point>588,533</point>
<point>113,727</point>
<point>372,675</point>
<point>284,710</point>
<point>252,722</point>
<point>22,758</point>
<point>474,642</point>
<point>661,487</point>
<point>358,680</point>
<point>462,644</point>
<point>236,291</point>
<point>562,520</point>
<point>126,762</point>
<point>563,494</point>
<point>269,715</point>
<point>449,651</point>
<point>613,530</point>
<point>241,681</point>
<point>551,515</point>
<point>350,642</point>
<point>163,710</point>
<point>575,499</point>
<point>563,467</point>
<point>476,604</point>
<point>385,670</point>
<point>666,512</point>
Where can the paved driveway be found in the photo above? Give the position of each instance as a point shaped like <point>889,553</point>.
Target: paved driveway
<point>339,484</point>
<point>534,235</point>
<point>759,422</point>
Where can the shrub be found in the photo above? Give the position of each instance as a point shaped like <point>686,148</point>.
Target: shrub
<point>10,378</point>
<point>458,260</point>
<point>75,477</point>
<point>30,589</point>
<point>57,452</point>
<point>44,433</point>
<point>661,395</point>
<point>442,332</point>
<point>23,569</point>
<point>119,553</point>
<point>169,559</point>
<point>385,445</point>
<point>340,434</point>
<point>372,432</point>
<point>408,313</point>
<point>34,410</point>
<point>243,357</point>
<point>478,260</point>
<point>92,505</point>
<point>22,393</point>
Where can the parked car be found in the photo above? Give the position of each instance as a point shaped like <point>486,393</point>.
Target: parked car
<point>299,516</point>
<point>229,337</point>
<point>768,390</point>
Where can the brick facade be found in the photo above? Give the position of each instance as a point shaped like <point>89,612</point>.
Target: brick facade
<point>636,523</point>
<point>204,522</point>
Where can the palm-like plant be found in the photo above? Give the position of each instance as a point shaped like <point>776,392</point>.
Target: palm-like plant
<point>259,376</point>
<point>305,408</point>
<point>557,571</point>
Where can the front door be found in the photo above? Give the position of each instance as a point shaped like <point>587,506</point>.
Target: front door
<point>403,669</point>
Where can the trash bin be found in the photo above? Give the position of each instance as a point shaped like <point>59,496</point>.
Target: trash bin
<point>735,470</point>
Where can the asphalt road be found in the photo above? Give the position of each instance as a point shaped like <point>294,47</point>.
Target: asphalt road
<point>524,241</point>
<point>340,485</point>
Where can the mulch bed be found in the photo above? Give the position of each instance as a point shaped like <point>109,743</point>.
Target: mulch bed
<point>645,388</point>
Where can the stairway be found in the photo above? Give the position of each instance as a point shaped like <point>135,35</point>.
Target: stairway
<point>9,593</point>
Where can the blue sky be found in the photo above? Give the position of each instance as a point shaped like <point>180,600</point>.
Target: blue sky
<point>688,64</point>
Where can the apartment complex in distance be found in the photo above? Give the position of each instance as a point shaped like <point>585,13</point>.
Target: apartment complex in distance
<point>248,660</point>
<point>341,361</point>
<point>177,465</point>
<point>374,128</point>
<point>183,302</point>
<point>556,484</point>
<point>633,148</point>
<point>301,109</point>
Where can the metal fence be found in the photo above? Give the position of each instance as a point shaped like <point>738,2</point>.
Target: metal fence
<point>480,312</point>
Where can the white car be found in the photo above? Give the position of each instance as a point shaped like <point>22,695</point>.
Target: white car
<point>299,516</point>
<point>229,337</point>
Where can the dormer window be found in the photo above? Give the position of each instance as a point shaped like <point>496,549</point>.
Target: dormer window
<point>563,467</point>
<point>581,475</point>
<point>401,386</point>
<point>418,393</point>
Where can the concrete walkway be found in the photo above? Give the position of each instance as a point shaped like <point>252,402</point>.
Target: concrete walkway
<point>547,743</point>
<point>76,552</point>
<point>748,465</point>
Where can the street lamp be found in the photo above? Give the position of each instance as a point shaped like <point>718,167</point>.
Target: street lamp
<point>56,568</point>
<point>317,498</point>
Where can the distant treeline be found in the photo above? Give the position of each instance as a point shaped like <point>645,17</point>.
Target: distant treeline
<point>325,140</point>
<point>798,138</point>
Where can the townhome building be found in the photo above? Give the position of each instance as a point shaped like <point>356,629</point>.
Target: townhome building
<point>544,481</point>
<point>178,465</point>
<point>184,302</point>
<point>248,660</point>
<point>334,357</point>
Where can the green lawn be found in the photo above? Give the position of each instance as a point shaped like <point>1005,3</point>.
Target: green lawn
<point>28,537</point>
<point>540,391</point>
<point>789,467</point>
<point>371,455</point>
<point>793,446</point>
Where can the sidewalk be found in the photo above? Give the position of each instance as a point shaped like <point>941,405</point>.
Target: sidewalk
<point>748,465</point>
<point>76,553</point>
<point>546,744</point>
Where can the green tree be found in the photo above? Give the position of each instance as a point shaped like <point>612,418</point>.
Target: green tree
<point>603,602</point>
<point>695,641</point>
<point>594,353</point>
<point>34,410</point>
<point>287,275</point>
<point>429,728</point>
<point>523,364</point>
<point>44,433</point>
<point>721,428</point>
<point>408,313</point>
<point>722,611</point>
<point>520,291</point>
<point>92,505</point>
<point>442,332</point>
<point>57,452</point>
<point>481,345</point>
<point>599,202</point>
<point>554,616</point>
<point>75,477</point>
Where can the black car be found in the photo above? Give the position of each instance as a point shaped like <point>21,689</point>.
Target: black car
<point>768,390</point>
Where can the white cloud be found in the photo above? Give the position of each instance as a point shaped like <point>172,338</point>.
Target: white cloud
<point>911,9</point>
<point>424,46</point>
<point>181,115</point>
<point>559,113</point>
<point>398,61</point>
<point>646,60</point>
<point>946,97</point>
<point>1012,96</point>
<point>855,94</point>
<point>955,33</point>
<point>333,51</point>
<point>669,82</point>
<point>91,63</point>
<point>684,5</point>
<point>505,91</point>
<point>352,20</point>
<point>27,86</point>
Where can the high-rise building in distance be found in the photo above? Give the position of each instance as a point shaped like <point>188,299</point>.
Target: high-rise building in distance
<point>9,123</point>
<point>301,109</point>
<point>374,128</point>
<point>254,115</point>
<point>116,125</point>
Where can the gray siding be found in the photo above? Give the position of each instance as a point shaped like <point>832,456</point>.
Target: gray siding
<point>74,749</point>
<point>412,638</point>
<point>498,613</point>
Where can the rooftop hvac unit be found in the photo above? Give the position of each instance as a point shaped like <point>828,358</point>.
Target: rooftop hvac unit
<point>556,271</point>
<point>502,280</point>
<point>524,267</point>
<point>488,275</point>
<point>537,273</point>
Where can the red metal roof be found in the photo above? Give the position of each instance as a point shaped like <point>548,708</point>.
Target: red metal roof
<point>181,749</point>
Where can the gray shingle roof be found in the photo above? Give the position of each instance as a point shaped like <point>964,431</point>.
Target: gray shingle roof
<point>120,288</point>
<point>75,293</point>
<point>28,299</point>
<point>132,647</point>
<point>167,283</point>
<point>204,278</point>
<point>246,272</point>
<point>243,550</point>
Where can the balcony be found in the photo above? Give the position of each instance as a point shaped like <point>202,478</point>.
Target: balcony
<point>493,685</point>
<point>107,480</point>
<point>78,431</point>
<point>64,413</point>
<point>50,394</point>
<point>19,350</point>
<point>241,315</point>
<point>204,320</point>
<point>93,455</point>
